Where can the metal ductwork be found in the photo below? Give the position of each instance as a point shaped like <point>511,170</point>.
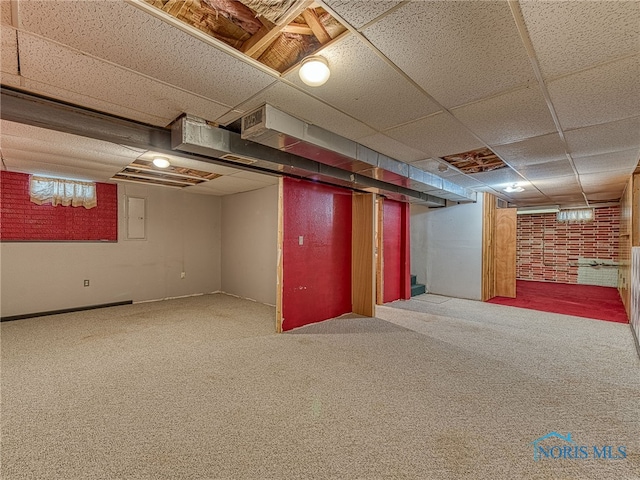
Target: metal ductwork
<point>274,128</point>
<point>195,135</point>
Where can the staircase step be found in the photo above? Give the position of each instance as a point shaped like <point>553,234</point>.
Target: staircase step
<point>418,289</point>
<point>414,280</point>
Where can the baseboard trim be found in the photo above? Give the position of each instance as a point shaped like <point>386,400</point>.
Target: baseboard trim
<point>64,310</point>
<point>635,338</point>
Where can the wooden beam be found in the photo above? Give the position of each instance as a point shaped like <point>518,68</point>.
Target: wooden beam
<point>363,275</point>
<point>265,37</point>
<point>316,26</point>
<point>280,268</point>
<point>298,28</point>
<point>488,252</point>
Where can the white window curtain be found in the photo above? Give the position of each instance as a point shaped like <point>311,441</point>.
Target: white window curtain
<point>578,215</point>
<point>58,191</point>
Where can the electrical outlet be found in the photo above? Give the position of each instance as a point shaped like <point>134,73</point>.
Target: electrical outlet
<point>183,274</point>
<point>86,283</point>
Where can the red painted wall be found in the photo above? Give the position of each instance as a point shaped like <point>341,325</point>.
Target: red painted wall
<point>22,220</point>
<point>316,275</point>
<point>391,246</point>
<point>546,249</point>
<point>395,240</point>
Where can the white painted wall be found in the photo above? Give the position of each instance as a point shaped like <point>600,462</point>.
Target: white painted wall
<point>454,250</point>
<point>249,244</point>
<point>183,235</point>
<point>418,227</point>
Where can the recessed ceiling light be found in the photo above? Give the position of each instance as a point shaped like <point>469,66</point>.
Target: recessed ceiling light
<point>513,188</point>
<point>314,71</point>
<point>161,162</point>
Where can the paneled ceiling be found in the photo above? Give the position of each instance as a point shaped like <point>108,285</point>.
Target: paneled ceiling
<point>551,87</point>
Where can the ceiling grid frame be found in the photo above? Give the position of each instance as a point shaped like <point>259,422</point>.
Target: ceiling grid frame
<point>514,6</point>
<point>444,110</point>
<point>579,142</point>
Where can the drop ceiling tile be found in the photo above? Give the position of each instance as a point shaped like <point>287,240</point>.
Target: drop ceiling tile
<point>542,149</point>
<point>540,171</point>
<point>626,159</point>
<point>5,12</point>
<point>9,62</point>
<point>395,100</point>
<point>234,184</point>
<point>42,141</point>
<point>182,162</point>
<point>457,51</point>
<point>437,167</point>
<point>88,162</point>
<point>437,135</point>
<point>125,35</point>
<point>569,186</point>
<point>68,75</point>
<point>257,177</point>
<point>500,178</point>
<point>566,200</point>
<point>27,162</point>
<point>611,187</point>
<point>570,36</point>
<point>613,194</point>
<point>10,80</point>
<point>304,107</point>
<point>509,117</point>
<point>465,181</point>
<point>392,148</point>
<point>603,178</point>
<point>360,12</point>
<point>602,94</point>
<point>608,137</point>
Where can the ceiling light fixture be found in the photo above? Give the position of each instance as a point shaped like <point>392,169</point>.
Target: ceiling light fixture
<point>161,162</point>
<point>314,71</point>
<point>513,188</point>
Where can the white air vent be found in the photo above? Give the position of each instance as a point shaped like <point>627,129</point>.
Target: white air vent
<point>254,123</point>
<point>239,159</point>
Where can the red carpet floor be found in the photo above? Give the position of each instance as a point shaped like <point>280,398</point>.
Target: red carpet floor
<point>589,301</point>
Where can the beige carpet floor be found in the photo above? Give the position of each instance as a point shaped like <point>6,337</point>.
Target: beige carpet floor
<point>201,388</point>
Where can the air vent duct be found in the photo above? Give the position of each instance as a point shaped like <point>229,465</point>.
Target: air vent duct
<point>274,128</point>
<point>194,135</point>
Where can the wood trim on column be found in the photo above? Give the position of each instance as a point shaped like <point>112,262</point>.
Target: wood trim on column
<point>488,252</point>
<point>635,211</point>
<point>363,276</point>
<point>279,275</point>
<point>405,254</point>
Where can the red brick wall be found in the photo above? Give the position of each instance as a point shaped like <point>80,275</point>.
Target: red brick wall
<point>22,220</point>
<point>549,251</point>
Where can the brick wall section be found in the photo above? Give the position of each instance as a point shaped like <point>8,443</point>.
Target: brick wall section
<point>22,220</point>
<point>549,251</point>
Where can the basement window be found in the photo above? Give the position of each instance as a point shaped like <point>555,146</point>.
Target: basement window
<point>578,215</point>
<point>59,191</point>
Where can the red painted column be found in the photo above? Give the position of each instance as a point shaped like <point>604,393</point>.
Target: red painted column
<point>316,252</point>
<point>392,243</point>
<point>395,237</point>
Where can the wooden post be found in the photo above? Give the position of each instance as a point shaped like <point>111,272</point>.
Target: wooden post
<point>363,276</point>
